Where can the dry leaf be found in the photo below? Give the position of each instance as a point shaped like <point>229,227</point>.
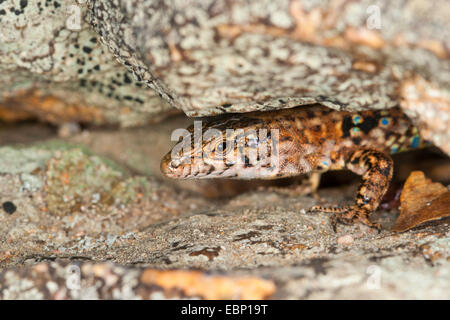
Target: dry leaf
<point>421,200</point>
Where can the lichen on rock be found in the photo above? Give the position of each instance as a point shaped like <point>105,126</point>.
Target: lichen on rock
<point>53,67</point>
<point>211,57</point>
<point>96,203</point>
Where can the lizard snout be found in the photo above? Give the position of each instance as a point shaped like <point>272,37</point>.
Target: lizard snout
<point>170,168</point>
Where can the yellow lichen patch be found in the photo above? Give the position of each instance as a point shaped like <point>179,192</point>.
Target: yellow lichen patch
<point>311,26</point>
<point>197,284</point>
<point>421,200</point>
<point>307,23</point>
<point>365,66</point>
<point>434,46</point>
<point>11,115</point>
<point>365,36</point>
<point>75,180</point>
<point>48,108</point>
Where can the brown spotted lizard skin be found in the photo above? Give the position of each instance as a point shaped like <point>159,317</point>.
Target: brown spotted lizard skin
<point>309,139</point>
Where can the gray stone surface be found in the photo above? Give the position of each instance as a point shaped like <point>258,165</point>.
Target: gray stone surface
<point>75,207</point>
<point>92,203</point>
<point>53,66</point>
<point>216,56</point>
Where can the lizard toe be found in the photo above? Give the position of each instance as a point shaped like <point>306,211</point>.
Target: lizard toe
<point>347,215</point>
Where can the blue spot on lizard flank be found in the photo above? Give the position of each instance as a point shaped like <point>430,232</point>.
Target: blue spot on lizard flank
<point>356,120</point>
<point>384,121</point>
<point>415,141</point>
<point>355,130</point>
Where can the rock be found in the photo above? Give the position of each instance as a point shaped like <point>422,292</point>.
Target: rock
<point>65,280</point>
<point>210,57</point>
<point>346,240</point>
<point>153,232</point>
<point>90,216</point>
<point>53,67</point>
<point>430,107</point>
<point>64,198</point>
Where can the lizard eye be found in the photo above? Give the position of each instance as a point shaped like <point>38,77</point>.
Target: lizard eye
<point>221,146</point>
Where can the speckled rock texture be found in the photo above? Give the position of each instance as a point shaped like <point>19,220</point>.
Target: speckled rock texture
<point>53,67</point>
<point>86,214</point>
<point>216,56</point>
<point>100,222</point>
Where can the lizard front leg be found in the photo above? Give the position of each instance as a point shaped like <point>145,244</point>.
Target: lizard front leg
<point>376,169</point>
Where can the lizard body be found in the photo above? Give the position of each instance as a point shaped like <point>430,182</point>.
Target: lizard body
<point>309,139</point>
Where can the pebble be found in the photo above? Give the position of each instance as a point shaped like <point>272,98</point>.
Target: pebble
<point>346,240</point>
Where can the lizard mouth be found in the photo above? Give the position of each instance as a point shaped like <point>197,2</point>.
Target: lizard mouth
<point>177,169</point>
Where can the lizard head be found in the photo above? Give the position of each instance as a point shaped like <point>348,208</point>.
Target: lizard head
<point>234,146</point>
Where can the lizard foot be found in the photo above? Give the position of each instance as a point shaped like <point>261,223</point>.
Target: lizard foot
<point>347,215</point>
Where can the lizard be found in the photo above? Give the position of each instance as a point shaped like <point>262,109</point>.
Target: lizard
<point>310,139</point>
